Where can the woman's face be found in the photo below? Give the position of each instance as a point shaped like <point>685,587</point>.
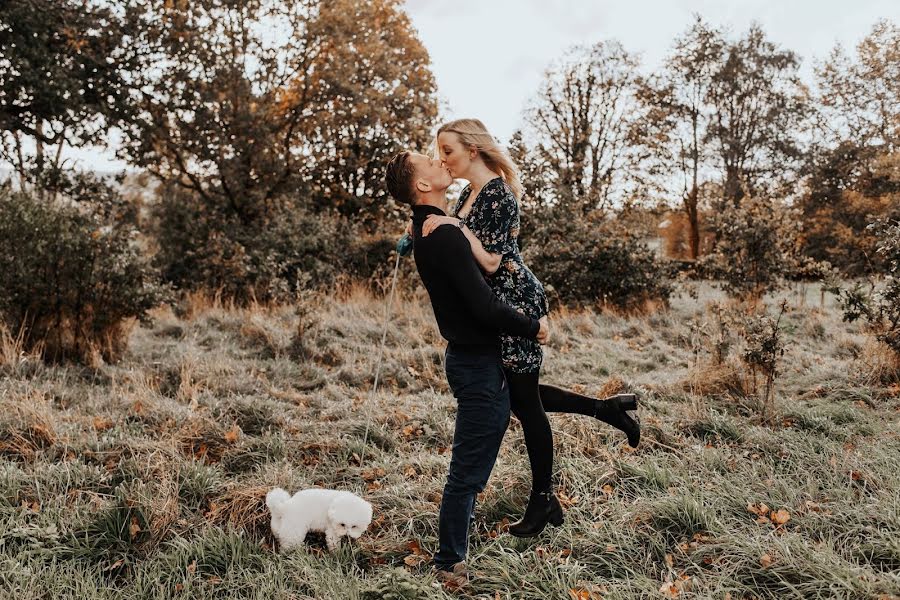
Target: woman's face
<point>454,155</point>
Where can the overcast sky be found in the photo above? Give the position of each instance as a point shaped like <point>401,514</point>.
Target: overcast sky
<point>489,55</point>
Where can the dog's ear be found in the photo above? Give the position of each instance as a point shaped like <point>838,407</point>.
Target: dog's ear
<point>331,514</point>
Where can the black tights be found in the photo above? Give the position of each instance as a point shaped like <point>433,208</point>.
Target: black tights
<point>530,402</point>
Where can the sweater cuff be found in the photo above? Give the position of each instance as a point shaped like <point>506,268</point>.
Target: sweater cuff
<point>535,327</point>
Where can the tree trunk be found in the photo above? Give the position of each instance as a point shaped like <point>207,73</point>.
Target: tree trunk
<point>693,223</point>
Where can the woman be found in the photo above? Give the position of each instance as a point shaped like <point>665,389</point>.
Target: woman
<point>488,214</point>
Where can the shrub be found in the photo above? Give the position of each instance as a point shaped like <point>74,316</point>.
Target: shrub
<point>585,262</point>
<point>763,349</point>
<point>758,340</point>
<point>879,305</point>
<point>88,190</point>
<point>757,249</point>
<point>288,250</point>
<point>71,283</point>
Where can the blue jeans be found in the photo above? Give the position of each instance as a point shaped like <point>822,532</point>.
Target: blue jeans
<point>482,416</point>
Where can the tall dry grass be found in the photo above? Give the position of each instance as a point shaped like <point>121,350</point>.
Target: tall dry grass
<point>146,478</point>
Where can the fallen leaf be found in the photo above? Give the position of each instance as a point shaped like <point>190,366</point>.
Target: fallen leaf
<point>134,528</point>
<point>413,560</point>
<point>780,517</point>
<point>589,591</point>
<point>115,565</point>
<point>766,561</point>
<point>568,501</point>
<point>201,450</point>
<point>669,590</point>
<point>102,423</point>
<point>372,474</point>
<point>232,435</point>
<point>411,431</point>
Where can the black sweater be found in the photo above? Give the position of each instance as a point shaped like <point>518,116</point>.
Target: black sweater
<point>468,314</point>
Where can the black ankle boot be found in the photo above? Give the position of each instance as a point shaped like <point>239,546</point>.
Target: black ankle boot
<point>543,508</point>
<point>615,411</point>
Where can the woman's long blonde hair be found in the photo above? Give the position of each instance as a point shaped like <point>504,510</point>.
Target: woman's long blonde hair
<point>473,134</point>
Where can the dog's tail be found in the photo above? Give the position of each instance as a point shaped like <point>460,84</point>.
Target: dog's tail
<point>275,500</point>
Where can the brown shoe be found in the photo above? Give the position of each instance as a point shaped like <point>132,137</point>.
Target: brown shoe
<point>454,579</point>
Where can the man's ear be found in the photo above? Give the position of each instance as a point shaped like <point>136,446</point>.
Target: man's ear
<point>423,186</point>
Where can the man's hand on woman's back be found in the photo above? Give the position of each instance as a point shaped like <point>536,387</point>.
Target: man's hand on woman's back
<point>543,335</point>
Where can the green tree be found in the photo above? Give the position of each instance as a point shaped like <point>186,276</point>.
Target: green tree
<point>759,104</point>
<point>377,96</point>
<point>64,68</point>
<point>534,172</point>
<point>241,103</point>
<point>859,99</point>
<point>678,116</point>
<point>580,128</point>
<point>852,176</point>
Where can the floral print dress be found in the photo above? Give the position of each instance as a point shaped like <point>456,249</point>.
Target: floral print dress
<point>494,219</point>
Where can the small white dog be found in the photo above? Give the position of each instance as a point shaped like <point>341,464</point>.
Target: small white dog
<point>335,512</point>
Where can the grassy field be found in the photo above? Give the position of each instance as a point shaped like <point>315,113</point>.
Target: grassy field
<point>146,479</point>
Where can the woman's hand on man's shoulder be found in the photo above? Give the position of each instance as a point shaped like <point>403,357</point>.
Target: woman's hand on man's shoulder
<point>432,222</point>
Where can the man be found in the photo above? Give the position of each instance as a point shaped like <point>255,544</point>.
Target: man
<point>470,318</point>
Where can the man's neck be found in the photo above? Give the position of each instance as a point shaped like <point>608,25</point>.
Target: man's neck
<point>435,199</point>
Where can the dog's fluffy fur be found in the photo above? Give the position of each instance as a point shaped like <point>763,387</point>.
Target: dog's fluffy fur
<point>335,512</point>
